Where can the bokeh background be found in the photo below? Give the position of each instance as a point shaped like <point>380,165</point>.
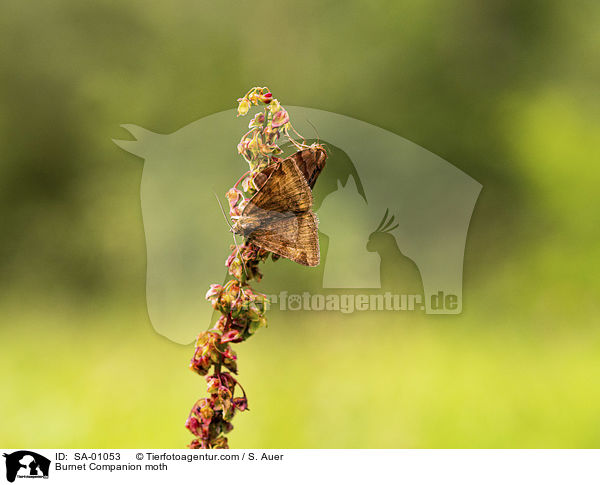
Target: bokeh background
<point>505,90</point>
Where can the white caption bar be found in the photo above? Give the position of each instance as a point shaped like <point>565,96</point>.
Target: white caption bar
<point>303,466</point>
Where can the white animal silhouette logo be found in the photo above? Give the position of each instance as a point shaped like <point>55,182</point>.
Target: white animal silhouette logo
<point>188,242</point>
<point>349,264</point>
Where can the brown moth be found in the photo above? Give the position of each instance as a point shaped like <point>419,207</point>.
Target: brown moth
<point>279,217</point>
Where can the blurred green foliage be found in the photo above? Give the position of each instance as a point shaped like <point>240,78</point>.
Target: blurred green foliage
<point>505,90</point>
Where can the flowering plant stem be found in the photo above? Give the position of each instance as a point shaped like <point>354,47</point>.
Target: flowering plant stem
<point>242,309</point>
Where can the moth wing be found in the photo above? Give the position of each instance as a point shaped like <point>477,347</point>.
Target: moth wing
<point>293,236</point>
<point>310,162</point>
<point>286,190</point>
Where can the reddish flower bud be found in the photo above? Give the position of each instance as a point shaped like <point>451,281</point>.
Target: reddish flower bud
<point>232,257</point>
<point>212,384</point>
<point>193,425</point>
<point>221,322</point>
<point>231,336</point>
<point>214,291</point>
<point>229,354</point>
<point>243,106</point>
<point>241,403</point>
<point>200,365</point>
<point>220,443</point>
<point>266,98</point>
<point>234,196</point>
<point>227,380</point>
<point>206,411</point>
<point>231,364</point>
<point>280,118</point>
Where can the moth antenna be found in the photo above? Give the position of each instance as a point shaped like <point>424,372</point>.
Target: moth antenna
<point>301,146</point>
<point>295,143</point>
<point>316,131</point>
<point>239,253</point>
<point>237,248</point>
<point>223,211</point>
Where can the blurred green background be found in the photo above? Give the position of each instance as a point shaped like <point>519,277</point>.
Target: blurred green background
<point>505,90</point>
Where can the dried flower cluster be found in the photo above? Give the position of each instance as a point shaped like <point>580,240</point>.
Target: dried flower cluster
<point>242,309</point>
